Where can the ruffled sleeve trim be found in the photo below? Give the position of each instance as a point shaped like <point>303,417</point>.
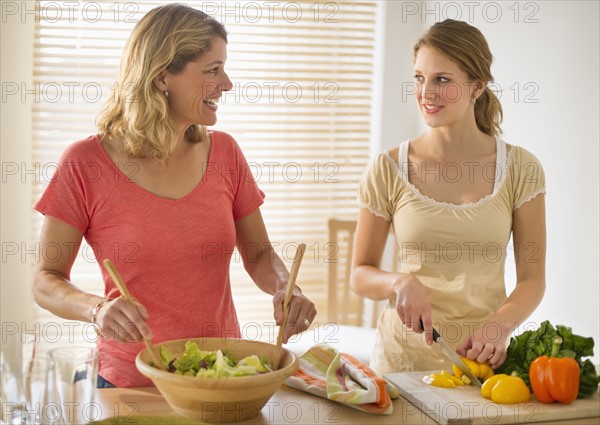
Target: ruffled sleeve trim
<point>531,197</point>
<point>374,211</point>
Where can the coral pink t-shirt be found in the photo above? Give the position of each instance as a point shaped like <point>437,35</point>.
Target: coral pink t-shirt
<point>174,255</point>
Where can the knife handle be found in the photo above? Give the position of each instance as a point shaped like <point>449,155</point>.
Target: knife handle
<point>435,334</point>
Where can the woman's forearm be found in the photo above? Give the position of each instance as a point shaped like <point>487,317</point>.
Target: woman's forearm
<point>268,271</point>
<point>521,303</point>
<point>56,294</point>
<point>373,283</point>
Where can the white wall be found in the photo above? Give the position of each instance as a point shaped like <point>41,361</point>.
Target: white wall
<point>549,73</point>
<point>394,116</point>
<point>15,144</point>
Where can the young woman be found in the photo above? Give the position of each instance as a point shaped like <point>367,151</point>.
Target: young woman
<point>454,195</point>
<point>174,198</point>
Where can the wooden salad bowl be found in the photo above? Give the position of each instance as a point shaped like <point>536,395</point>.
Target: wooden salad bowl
<point>225,399</point>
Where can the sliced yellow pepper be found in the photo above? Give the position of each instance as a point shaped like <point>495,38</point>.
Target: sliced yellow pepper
<point>453,378</point>
<point>437,380</point>
<point>480,370</point>
<point>445,382</point>
<point>506,389</point>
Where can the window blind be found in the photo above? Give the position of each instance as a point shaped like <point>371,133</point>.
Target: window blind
<point>300,109</point>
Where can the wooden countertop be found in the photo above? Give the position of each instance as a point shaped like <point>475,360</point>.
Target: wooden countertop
<point>287,406</point>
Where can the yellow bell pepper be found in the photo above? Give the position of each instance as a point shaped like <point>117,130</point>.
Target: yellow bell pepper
<point>488,385</point>
<point>505,389</point>
<point>482,371</point>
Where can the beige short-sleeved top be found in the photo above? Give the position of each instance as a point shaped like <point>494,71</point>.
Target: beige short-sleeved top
<point>456,251</point>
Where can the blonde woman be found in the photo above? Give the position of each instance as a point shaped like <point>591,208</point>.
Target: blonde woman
<point>454,195</point>
<point>168,202</point>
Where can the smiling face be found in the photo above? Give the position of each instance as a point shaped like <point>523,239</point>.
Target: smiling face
<point>196,89</point>
<point>443,90</point>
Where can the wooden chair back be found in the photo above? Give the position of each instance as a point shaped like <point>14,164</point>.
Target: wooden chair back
<point>343,305</point>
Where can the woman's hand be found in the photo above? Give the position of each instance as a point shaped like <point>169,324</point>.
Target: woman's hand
<point>486,345</point>
<point>414,305</point>
<point>122,321</point>
<point>302,312</point>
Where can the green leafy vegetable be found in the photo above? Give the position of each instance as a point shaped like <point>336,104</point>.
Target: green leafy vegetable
<point>211,364</point>
<point>530,345</point>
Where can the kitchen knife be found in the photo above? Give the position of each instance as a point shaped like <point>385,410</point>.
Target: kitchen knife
<point>453,357</point>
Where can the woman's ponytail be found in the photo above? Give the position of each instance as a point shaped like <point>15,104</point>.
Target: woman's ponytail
<point>488,113</point>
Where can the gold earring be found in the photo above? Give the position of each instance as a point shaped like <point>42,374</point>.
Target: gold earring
<point>166,92</point>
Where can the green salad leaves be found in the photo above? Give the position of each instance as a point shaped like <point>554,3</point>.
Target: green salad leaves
<point>211,364</point>
<point>530,345</point>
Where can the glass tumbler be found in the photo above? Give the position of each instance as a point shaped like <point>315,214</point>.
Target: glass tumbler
<point>75,370</point>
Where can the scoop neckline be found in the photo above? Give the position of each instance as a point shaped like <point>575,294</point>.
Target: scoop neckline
<point>124,177</point>
<point>450,205</point>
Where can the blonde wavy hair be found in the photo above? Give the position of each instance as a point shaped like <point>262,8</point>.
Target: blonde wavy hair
<point>166,38</point>
<point>466,46</point>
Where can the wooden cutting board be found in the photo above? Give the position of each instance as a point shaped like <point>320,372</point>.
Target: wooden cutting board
<point>465,405</point>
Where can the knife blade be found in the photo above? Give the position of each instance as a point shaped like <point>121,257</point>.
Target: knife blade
<point>453,357</point>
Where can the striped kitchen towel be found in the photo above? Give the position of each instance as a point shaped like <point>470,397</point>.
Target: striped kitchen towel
<point>327,373</point>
